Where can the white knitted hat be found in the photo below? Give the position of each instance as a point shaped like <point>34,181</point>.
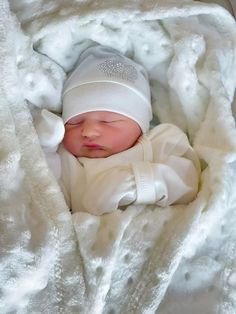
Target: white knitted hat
<point>104,80</point>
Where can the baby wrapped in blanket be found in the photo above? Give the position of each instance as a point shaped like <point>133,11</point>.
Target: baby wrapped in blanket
<point>108,158</point>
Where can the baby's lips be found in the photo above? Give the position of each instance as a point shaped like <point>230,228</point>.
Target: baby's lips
<point>92,145</point>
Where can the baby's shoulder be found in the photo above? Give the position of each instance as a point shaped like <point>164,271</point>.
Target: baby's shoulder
<point>165,131</point>
<point>167,139</point>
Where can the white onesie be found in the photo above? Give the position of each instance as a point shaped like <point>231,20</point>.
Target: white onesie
<point>162,168</point>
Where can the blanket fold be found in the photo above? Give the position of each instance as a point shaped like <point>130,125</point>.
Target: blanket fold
<point>128,261</point>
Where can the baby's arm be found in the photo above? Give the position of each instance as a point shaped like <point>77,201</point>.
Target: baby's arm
<point>173,175</point>
<point>50,130</point>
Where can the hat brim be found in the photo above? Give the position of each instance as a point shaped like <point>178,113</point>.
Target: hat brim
<point>107,96</point>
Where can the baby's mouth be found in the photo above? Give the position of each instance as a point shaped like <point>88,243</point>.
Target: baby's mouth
<point>93,150</point>
<point>93,146</point>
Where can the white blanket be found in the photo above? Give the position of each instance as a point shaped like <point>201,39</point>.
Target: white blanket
<point>179,259</point>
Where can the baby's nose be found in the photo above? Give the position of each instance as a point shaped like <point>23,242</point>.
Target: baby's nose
<point>90,129</point>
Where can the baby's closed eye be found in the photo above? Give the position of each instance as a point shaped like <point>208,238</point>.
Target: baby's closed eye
<point>110,121</point>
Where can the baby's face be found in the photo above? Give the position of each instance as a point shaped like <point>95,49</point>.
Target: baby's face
<point>99,134</point>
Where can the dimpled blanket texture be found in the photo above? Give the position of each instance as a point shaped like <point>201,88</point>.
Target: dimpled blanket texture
<point>178,260</point>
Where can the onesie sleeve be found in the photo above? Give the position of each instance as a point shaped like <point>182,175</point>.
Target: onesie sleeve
<point>172,176</point>
<point>50,130</point>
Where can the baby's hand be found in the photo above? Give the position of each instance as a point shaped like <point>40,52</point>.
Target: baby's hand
<point>50,129</point>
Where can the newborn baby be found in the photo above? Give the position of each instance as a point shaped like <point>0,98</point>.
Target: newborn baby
<point>108,158</point>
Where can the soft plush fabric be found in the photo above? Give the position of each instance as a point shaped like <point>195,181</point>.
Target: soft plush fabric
<point>229,5</point>
<point>175,260</point>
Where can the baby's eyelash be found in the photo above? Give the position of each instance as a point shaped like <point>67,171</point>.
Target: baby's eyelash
<point>111,121</point>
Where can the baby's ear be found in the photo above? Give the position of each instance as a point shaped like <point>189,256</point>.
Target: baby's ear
<point>50,129</point>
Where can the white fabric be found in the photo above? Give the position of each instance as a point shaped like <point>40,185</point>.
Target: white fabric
<point>131,261</point>
<point>230,5</point>
<point>106,80</point>
<point>50,130</point>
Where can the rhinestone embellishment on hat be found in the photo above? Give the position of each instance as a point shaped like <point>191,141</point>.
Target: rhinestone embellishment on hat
<point>118,69</point>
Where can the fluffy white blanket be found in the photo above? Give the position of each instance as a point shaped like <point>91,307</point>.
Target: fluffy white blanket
<point>174,260</point>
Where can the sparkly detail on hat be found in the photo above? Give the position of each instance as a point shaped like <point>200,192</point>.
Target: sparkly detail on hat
<point>118,69</point>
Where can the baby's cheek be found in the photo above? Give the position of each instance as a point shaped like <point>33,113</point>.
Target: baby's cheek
<point>68,142</point>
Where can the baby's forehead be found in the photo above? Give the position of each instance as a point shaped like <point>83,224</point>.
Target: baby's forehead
<point>98,114</point>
